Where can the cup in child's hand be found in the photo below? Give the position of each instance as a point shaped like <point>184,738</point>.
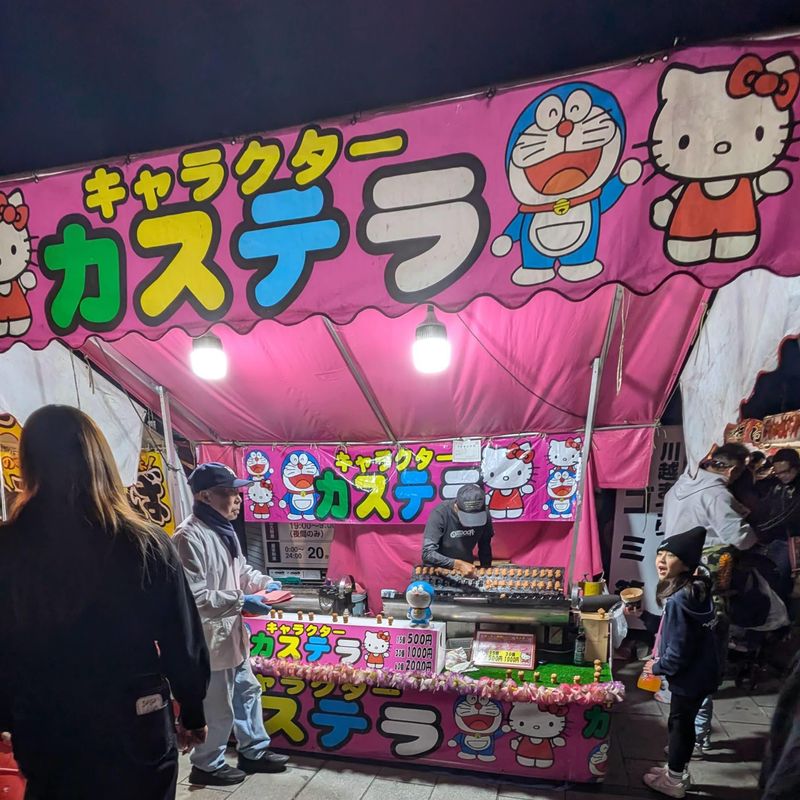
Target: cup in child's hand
<point>632,597</point>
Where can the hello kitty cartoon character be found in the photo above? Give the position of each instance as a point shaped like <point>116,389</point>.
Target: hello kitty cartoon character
<point>507,473</point>
<point>562,480</point>
<point>538,728</point>
<point>16,279</point>
<point>376,643</point>
<point>260,495</point>
<point>723,159</point>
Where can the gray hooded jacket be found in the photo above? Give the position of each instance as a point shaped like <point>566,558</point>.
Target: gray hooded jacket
<point>706,501</point>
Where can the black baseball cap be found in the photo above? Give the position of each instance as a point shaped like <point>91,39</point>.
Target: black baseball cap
<point>214,475</point>
<point>471,506</point>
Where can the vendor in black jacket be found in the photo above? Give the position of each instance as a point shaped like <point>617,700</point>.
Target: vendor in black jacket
<point>454,529</point>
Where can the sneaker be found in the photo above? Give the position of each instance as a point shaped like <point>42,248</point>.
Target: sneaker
<point>663,696</point>
<point>686,777</point>
<point>266,762</point>
<point>704,745</point>
<point>661,781</point>
<point>224,776</point>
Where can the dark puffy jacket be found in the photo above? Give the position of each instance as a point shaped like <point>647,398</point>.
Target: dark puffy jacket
<point>687,652</point>
<point>780,773</point>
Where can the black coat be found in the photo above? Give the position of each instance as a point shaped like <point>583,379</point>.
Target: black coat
<point>69,690</point>
<point>688,652</point>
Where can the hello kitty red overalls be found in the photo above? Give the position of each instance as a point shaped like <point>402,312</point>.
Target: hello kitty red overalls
<point>505,500</point>
<point>535,750</point>
<point>14,306</point>
<point>700,216</point>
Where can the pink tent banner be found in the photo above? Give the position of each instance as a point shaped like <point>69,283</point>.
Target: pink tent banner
<point>526,479</point>
<point>681,163</point>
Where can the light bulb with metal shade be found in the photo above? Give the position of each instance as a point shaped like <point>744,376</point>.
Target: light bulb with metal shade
<point>208,359</point>
<point>431,350</point>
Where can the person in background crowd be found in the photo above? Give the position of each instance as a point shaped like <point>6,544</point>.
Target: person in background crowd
<point>745,488</point>
<point>777,517</point>
<point>96,617</point>
<point>223,586</point>
<point>686,652</point>
<point>705,501</point>
<point>780,770</point>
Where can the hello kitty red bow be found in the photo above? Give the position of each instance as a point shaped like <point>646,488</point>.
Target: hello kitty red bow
<point>383,635</point>
<point>575,444</point>
<point>552,708</point>
<point>751,76</point>
<point>515,451</point>
<point>13,215</point>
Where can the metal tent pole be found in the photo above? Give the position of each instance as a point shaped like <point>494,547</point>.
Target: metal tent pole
<point>361,381</point>
<point>594,390</point>
<point>142,377</point>
<point>173,462</point>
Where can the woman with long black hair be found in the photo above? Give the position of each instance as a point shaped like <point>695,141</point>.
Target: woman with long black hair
<point>97,627</point>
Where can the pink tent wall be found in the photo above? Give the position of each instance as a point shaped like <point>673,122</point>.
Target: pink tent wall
<point>513,371</point>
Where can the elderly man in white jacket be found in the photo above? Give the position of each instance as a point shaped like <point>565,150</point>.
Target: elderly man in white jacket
<point>223,586</point>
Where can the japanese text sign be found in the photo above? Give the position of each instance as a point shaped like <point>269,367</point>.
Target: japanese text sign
<point>360,642</point>
<point>544,742</point>
<point>639,520</point>
<point>528,478</point>
<point>630,174</point>
<point>150,494</point>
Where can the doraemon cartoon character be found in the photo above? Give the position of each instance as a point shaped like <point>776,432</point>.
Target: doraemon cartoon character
<point>260,495</point>
<point>538,728</point>
<point>257,465</point>
<point>562,490</point>
<point>419,596</point>
<point>298,472</point>
<point>598,761</point>
<point>507,474</point>
<point>478,721</point>
<point>561,159</point>
<point>562,480</point>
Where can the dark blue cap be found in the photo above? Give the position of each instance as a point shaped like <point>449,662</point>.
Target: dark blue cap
<point>215,475</point>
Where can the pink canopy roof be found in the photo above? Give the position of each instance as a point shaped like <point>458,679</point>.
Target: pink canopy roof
<point>513,371</point>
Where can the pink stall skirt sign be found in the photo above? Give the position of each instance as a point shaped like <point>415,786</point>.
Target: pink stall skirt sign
<point>444,729</point>
<point>361,643</point>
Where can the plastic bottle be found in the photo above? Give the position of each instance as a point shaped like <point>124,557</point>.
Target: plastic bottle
<point>580,647</point>
<point>649,682</point>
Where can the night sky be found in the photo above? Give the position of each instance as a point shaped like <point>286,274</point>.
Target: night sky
<point>87,80</point>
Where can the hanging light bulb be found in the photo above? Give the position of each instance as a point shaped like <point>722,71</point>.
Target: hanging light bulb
<point>208,359</point>
<point>431,348</point>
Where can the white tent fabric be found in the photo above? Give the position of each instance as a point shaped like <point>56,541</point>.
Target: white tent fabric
<point>741,338</point>
<point>29,380</point>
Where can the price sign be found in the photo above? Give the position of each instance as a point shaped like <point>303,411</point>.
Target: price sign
<point>496,649</point>
<point>505,656</point>
<point>299,545</point>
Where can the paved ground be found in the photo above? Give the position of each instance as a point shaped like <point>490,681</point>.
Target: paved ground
<point>729,772</point>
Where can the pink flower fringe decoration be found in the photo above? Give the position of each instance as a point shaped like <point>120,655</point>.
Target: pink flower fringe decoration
<point>507,690</point>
